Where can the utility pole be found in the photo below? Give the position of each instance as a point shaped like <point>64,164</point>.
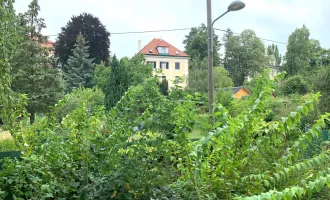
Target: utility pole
<point>210,55</point>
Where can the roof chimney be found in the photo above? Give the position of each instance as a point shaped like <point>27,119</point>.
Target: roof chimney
<point>139,46</point>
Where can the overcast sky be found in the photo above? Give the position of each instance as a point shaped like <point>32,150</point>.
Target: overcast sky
<point>271,19</point>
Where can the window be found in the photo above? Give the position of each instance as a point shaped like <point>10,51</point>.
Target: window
<point>164,65</point>
<point>162,50</point>
<point>153,64</point>
<point>177,78</point>
<point>163,78</point>
<point>177,66</point>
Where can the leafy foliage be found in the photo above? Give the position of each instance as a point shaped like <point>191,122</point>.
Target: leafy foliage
<point>93,31</point>
<point>294,85</point>
<point>198,77</point>
<point>221,78</point>
<point>32,72</point>
<point>163,87</point>
<point>321,82</point>
<point>298,52</point>
<point>275,58</point>
<point>80,67</point>
<point>8,145</point>
<point>123,74</point>
<point>117,85</point>
<point>12,105</point>
<point>101,76</point>
<point>246,46</point>
<point>196,45</point>
<point>71,101</point>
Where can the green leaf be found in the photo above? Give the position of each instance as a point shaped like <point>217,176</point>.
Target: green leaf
<point>305,110</point>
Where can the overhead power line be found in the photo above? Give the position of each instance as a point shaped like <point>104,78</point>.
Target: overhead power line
<point>179,29</point>
<point>269,40</point>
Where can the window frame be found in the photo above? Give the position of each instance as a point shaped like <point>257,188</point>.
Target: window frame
<point>153,63</point>
<point>179,66</point>
<point>166,65</point>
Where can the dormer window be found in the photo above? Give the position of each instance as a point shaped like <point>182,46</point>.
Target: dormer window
<point>163,50</point>
<point>150,51</point>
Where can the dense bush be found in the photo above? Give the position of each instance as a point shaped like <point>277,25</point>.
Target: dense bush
<point>126,154</point>
<point>8,145</point>
<point>294,85</point>
<point>93,98</point>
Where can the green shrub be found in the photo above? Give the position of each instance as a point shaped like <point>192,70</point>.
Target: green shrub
<point>126,154</point>
<point>8,145</point>
<point>94,99</point>
<point>294,85</point>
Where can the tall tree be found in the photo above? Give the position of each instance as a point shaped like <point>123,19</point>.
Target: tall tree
<point>298,52</point>
<point>221,78</point>
<point>198,77</point>
<point>275,58</point>
<point>32,71</point>
<point>118,83</point>
<point>196,44</point>
<point>319,55</point>
<point>93,31</point>
<point>80,67</point>
<point>8,41</point>
<point>227,34</point>
<point>245,56</point>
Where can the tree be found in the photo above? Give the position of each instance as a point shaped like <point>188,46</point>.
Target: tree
<point>118,83</point>
<point>298,52</point>
<point>319,56</point>
<point>228,33</point>
<point>101,76</point>
<point>321,83</point>
<point>80,67</point>
<point>137,69</point>
<point>244,56</point>
<point>198,77</point>
<point>221,78</point>
<point>32,71</point>
<point>275,58</point>
<point>163,87</point>
<point>196,44</point>
<point>9,38</point>
<point>93,31</point>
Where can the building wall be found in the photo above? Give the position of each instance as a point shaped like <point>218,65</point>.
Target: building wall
<point>274,71</point>
<point>171,72</point>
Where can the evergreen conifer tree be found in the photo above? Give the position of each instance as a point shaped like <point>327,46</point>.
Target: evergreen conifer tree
<point>32,70</point>
<point>118,83</point>
<point>80,67</point>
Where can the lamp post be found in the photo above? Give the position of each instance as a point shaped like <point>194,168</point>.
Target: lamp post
<point>234,6</point>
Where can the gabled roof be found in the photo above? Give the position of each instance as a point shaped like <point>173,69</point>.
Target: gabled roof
<point>157,42</point>
<point>236,89</point>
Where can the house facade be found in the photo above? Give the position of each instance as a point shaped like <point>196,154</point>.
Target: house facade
<point>165,57</point>
<point>274,71</point>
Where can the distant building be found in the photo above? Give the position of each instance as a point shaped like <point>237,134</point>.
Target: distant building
<point>274,71</point>
<point>50,46</point>
<point>238,92</point>
<point>172,61</point>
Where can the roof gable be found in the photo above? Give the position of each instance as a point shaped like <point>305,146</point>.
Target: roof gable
<point>156,42</point>
<point>236,89</point>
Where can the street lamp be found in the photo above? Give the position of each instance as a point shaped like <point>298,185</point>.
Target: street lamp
<point>234,6</point>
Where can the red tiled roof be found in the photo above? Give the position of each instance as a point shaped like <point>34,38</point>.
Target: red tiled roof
<point>48,44</point>
<point>156,42</point>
